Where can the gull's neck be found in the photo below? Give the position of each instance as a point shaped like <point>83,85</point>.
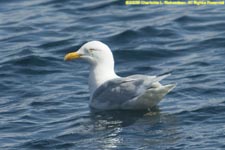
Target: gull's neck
<point>99,74</point>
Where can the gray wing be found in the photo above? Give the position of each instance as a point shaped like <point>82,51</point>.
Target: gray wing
<point>114,93</point>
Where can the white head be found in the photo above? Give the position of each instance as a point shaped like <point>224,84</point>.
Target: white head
<point>100,57</point>
<point>95,53</point>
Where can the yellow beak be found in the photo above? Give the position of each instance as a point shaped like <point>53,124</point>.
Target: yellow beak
<point>71,56</point>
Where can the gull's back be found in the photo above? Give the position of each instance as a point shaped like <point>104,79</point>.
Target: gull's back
<point>132,92</point>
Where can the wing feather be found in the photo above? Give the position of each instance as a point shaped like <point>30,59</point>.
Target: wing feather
<point>114,93</point>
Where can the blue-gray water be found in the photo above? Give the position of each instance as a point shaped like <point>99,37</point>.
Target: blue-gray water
<point>44,100</point>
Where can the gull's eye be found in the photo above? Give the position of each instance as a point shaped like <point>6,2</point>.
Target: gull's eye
<point>92,49</point>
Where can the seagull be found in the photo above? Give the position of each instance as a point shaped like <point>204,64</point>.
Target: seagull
<point>108,91</point>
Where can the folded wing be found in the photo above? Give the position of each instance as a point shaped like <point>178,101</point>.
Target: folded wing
<point>115,93</point>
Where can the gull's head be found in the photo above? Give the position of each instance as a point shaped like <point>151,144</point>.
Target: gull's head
<point>94,52</point>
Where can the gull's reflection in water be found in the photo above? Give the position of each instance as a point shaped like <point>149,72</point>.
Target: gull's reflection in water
<point>115,118</point>
<point>110,124</point>
<point>114,126</point>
